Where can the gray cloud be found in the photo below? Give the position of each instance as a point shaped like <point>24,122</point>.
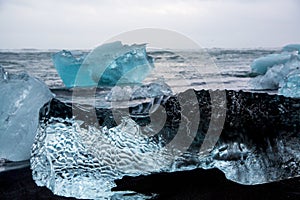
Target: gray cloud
<point>84,24</point>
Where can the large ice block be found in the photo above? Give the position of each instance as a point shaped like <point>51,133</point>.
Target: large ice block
<point>107,64</point>
<point>22,96</point>
<point>259,142</point>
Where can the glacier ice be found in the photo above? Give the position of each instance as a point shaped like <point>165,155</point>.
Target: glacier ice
<point>276,71</point>
<point>151,90</point>
<point>262,64</point>
<point>108,64</point>
<point>22,96</point>
<point>67,66</point>
<point>276,74</point>
<point>83,171</point>
<point>290,87</point>
<point>291,48</point>
<point>259,143</point>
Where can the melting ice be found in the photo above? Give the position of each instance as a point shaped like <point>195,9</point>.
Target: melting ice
<point>291,86</point>
<point>107,64</point>
<point>259,143</point>
<point>278,71</point>
<point>22,96</point>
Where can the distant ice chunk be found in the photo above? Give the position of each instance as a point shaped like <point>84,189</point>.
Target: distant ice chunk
<point>109,64</point>
<point>291,48</point>
<point>291,86</point>
<point>276,74</point>
<point>262,64</point>
<point>22,96</point>
<point>278,71</point>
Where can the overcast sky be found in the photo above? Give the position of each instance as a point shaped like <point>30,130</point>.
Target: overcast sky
<point>80,24</point>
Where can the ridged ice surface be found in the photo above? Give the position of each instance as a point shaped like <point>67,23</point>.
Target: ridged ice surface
<point>84,163</point>
<point>258,144</point>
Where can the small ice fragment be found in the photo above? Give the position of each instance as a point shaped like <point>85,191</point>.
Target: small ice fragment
<point>152,90</point>
<point>290,87</point>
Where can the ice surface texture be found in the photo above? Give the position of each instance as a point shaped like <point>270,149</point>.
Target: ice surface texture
<point>22,96</point>
<point>275,71</point>
<point>259,142</point>
<point>107,64</point>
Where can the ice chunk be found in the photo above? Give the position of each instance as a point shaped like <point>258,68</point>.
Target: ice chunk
<point>107,64</point>
<point>67,66</point>
<point>124,93</point>
<point>259,143</point>
<point>22,96</point>
<point>89,160</point>
<point>152,90</point>
<point>290,87</point>
<point>276,74</point>
<point>274,69</point>
<point>262,64</point>
<point>291,48</point>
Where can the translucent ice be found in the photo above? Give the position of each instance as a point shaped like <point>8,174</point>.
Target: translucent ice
<point>121,93</point>
<point>276,74</point>
<point>290,87</point>
<point>107,64</point>
<point>291,48</point>
<point>259,143</point>
<point>262,64</point>
<point>278,71</point>
<point>85,162</point>
<point>22,96</point>
<point>67,66</point>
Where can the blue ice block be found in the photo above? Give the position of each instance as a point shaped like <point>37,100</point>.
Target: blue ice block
<point>107,65</point>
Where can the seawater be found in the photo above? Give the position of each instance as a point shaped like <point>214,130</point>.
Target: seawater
<point>180,69</point>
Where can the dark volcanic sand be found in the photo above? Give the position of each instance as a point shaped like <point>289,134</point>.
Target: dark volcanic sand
<point>196,184</point>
